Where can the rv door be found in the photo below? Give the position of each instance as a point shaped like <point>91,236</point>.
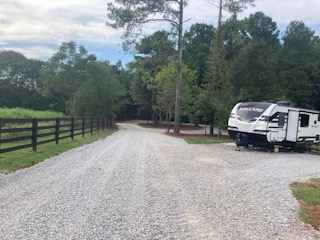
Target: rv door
<point>292,128</point>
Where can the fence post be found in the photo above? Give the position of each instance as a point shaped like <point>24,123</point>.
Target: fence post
<point>91,126</point>
<point>110,122</point>
<point>57,130</point>
<point>34,134</point>
<point>0,131</point>
<point>83,127</point>
<point>72,128</point>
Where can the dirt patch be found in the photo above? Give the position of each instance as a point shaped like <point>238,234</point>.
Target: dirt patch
<point>308,196</point>
<point>202,139</point>
<point>168,125</point>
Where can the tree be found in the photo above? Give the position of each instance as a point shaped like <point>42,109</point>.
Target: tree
<point>20,81</point>
<point>254,69</point>
<point>197,44</point>
<point>299,61</point>
<point>153,53</point>
<point>165,81</point>
<point>99,95</point>
<point>132,14</point>
<point>63,75</point>
<point>218,75</point>
<point>232,6</point>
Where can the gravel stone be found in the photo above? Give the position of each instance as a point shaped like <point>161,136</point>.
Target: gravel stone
<point>141,184</point>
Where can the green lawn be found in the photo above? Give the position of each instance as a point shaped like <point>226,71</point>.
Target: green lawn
<point>308,195</point>
<point>27,113</point>
<point>10,162</point>
<point>316,148</point>
<point>206,140</point>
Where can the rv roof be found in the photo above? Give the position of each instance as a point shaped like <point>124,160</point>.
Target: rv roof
<point>281,105</point>
<point>305,110</point>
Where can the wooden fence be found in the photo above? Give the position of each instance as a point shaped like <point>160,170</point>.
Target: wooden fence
<point>17,134</point>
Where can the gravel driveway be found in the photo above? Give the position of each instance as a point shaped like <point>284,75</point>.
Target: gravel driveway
<point>141,184</point>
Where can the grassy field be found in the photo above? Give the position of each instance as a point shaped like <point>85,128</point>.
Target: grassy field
<point>27,113</point>
<point>206,140</point>
<point>308,195</point>
<point>10,162</point>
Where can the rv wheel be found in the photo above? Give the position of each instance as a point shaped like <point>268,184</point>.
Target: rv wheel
<point>301,148</point>
<point>242,140</point>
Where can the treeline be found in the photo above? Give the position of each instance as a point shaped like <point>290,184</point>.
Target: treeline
<point>72,81</point>
<point>259,63</point>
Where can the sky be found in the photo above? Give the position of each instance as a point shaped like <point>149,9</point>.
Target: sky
<point>37,27</point>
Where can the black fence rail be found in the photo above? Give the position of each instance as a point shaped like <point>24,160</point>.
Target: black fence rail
<point>17,134</point>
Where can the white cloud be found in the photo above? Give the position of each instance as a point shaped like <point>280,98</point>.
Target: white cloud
<point>37,24</point>
<point>37,27</point>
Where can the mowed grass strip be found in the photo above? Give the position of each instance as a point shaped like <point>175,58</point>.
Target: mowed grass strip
<point>206,140</point>
<point>308,195</point>
<point>27,113</point>
<point>13,161</point>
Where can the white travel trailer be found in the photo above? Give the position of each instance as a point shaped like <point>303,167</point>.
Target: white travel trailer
<point>269,124</point>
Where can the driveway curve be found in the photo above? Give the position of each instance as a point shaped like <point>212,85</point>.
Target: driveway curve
<point>141,184</point>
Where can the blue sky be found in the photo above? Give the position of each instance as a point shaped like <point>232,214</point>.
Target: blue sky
<point>37,27</point>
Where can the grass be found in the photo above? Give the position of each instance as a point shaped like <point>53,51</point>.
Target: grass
<point>13,161</point>
<point>316,148</point>
<point>206,140</point>
<point>27,113</point>
<point>308,195</point>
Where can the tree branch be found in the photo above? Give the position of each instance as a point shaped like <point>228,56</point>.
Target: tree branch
<point>160,20</point>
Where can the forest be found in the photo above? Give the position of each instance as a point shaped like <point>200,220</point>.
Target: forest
<point>247,59</point>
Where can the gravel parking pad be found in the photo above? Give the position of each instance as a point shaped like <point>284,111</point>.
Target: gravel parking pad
<point>141,184</point>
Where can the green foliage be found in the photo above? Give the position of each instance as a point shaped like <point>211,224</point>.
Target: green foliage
<point>100,94</point>
<point>299,61</point>
<point>27,113</point>
<point>254,68</point>
<point>132,15</point>
<point>166,89</point>
<point>154,53</point>
<point>216,98</point>
<point>237,6</point>
<point>197,44</point>
<point>63,75</point>
<point>81,85</point>
<point>20,82</point>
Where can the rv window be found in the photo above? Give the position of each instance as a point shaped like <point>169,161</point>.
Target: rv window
<point>252,111</point>
<point>282,120</point>
<point>304,120</point>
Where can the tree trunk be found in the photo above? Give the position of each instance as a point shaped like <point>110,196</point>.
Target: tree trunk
<point>219,38</point>
<point>211,129</point>
<point>220,15</point>
<point>212,125</point>
<point>180,65</point>
<point>220,133</point>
